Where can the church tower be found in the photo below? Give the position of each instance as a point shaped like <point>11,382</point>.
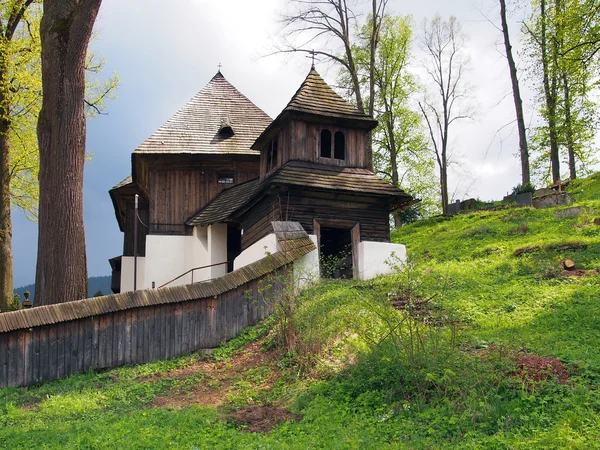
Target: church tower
<point>317,126</point>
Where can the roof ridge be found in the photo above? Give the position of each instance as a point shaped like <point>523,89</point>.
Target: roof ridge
<point>194,127</point>
<point>315,88</point>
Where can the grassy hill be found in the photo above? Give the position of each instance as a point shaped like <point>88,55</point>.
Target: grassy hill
<point>482,341</point>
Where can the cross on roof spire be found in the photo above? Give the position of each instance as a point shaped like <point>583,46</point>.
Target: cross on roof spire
<point>219,66</point>
<point>312,55</point>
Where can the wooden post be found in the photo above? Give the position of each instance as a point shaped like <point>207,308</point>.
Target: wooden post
<point>135,242</point>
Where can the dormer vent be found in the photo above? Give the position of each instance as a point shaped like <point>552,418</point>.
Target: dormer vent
<point>226,130</point>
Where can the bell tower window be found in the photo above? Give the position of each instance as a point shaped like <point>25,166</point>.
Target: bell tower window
<point>333,148</point>
<point>325,143</point>
<point>339,146</point>
<point>272,155</point>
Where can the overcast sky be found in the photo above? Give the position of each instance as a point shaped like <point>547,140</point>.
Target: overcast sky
<point>166,51</point>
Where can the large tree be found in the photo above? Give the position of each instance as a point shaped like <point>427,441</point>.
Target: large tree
<point>66,28</point>
<point>443,43</point>
<point>563,39</point>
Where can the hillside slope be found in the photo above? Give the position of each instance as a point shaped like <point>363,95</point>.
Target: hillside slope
<point>482,341</point>
<point>503,271</point>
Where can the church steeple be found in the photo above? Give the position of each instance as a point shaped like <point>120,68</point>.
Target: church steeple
<point>317,125</point>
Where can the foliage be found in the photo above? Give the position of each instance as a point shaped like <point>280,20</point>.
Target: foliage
<point>401,152</point>
<point>523,188</point>
<point>471,304</point>
<point>22,89</point>
<point>563,49</point>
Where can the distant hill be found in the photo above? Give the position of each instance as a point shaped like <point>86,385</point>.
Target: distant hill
<point>95,284</point>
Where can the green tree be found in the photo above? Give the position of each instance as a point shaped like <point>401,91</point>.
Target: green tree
<point>401,152</point>
<point>21,94</point>
<point>564,50</point>
<point>19,105</point>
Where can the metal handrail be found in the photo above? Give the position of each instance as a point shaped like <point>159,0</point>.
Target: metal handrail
<point>192,270</point>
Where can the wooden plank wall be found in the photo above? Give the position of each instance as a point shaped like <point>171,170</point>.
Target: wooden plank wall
<point>305,144</point>
<point>257,223</point>
<point>176,194</point>
<point>303,206</point>
<point>301,141</point>
<point>133,336</point>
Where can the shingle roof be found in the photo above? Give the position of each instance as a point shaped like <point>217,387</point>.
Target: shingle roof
<point>125,182</point>
<point>293,247</point>
<point>225,204</point>
<point>315,96</point>
<point>320,176</point>
<point>195,127</point>
<point>303,174</point>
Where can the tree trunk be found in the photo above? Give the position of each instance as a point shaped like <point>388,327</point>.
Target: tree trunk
<point>6,270</point>
<point>569,128</point>
<point>524,152</point>
<point>65,30</point>
<point>444,187</point>
<point>549,80</point>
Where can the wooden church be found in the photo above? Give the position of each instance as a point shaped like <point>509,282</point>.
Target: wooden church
<point>210,182</point>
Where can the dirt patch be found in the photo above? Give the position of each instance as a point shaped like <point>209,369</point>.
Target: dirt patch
<point>561,247</point>
<point>533,368</point>
<point>217,378</point>
<point>262,419</point>
<point>580,272</point>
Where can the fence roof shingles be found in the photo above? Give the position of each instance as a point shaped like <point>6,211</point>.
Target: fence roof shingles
<point>63,312</point>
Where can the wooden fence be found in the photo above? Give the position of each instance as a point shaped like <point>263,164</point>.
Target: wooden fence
<point>54,341</point>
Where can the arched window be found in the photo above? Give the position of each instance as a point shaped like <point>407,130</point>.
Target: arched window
<point>325,144</point>
<point>339,146</point>
<point>272,155</point>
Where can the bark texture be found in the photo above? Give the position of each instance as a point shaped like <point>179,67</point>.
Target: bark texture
<point>61,272</point>
<point>523,150</point>
<point>6,272</point>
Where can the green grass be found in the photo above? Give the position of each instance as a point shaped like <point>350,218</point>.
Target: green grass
<point>494,279</point>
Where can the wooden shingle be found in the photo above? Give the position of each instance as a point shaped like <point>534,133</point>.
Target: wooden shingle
<point>292,249</point>
<point>303,174</point>
<point>198,126</point>
<point>315,96</point>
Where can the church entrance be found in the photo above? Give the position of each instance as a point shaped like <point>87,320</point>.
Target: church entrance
<point>234,245</point>
<point>336,253</point>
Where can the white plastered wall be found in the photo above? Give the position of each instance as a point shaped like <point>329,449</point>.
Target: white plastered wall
<point>167,257</point>
<point>306,268</point>
<point>127,273</point>
<point>379,258</point>
<point>264,247</point>
<point>217,249</point>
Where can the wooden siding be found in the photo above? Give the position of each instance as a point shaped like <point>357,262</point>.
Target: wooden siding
<point>53,341</point>
<point>180,189</point>
<point>256,222</point>
<point>300,141</point>
<point>132,336</point>
<point>304,206</point>
<point>128,230</point>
